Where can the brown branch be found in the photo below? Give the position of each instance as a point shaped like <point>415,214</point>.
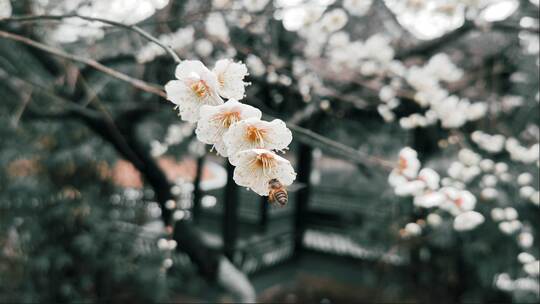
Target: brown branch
<point>137,83</point>
<point>133,28</point>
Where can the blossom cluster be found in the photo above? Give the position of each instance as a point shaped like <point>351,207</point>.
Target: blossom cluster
<point>235,130</point>
<point>72,29</point>
<point>408,179</point>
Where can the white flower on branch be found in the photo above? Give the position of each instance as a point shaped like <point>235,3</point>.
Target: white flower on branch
<point>230,77</point>
<point>5,9</point>
<point>357,7</point>
<point>468,220</point>
<point>215,121</point>
<point>253,133</point>
<point>334,20</point>
<point>254,6</point>
<point>408,164</point>
<point>457,201</point>
<point>196,86</point>
<point>256,167</point>
<point>216,26</point>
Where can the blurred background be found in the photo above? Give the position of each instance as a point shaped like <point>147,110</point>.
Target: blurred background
<point>94,166</point>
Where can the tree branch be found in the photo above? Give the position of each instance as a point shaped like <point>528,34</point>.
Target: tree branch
<point>137,83</point>
<point>133,28</point>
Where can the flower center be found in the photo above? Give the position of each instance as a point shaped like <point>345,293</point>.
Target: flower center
<point>265,162</point>
<point>228,118</point>
<point>402,163</point>
<point>255,135</point>
<point>221,80</point>
<point>200,88</point>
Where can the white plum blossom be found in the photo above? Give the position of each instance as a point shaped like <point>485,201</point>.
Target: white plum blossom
<point>490,143</point>
<point>254,6</point>
<point>408,165</point>
<point>412,229</point>
<point>497,214</point>
<point>256,167</point>
<point>5,9</point>
<point>525,258</point>
<point>407,188</point>
<point>196,86</point>
<point>230,77</point>
<point>457,201</point>
<point>524,179</point>
<point>443,68</point>
<point>215,121</point>
<point>429,199</point>
<point>521,153</point>
<point>430,177</point>
<point>532,268</point>
<point>334,20</point>
<point>253,133</point>
<point>468,220</point>
<point>179,40</point>
<point>357,7</point>
<point>510,227</point>
<point>216,26</point>
<point>525,240</point>
<point>203,47</point>
<point>434,220</point>
<point>255,65</point>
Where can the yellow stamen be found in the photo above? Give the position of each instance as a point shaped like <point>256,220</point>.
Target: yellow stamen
<point>200,88</point>
<point>402,164</point>
<point>264,161</point>
<point>228,118</point>
<point>255,135</point>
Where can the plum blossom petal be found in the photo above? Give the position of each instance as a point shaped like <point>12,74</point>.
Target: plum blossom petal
<point>230,77</point>
<point>253,133</point>
<point>468,221</point>
<point>215,121</point>
<point>256,167</point>
<point>196,86</point>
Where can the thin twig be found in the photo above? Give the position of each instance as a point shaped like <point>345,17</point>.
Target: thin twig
<point>133,28</point>
<point>137,83</point>
<point>349,153</point>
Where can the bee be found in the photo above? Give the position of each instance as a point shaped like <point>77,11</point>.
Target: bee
<point>278,192</point>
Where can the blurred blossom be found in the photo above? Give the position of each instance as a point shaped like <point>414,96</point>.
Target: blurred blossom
<point>524,179</point>
<point>5,9</point>
<point>255,5</point>
<point>434,219</point>
<point>157,148</point>
<point>497,214</point>
<point>468,220</point>
<point>428,19</point>
<point>413,229</point>
<point>216,26</point>
<point>203,47</point>
<point>490,143</point>
<point>334,20</point>
<point>123,11</point>
<point>178,41</point>
<point>357,7</point>
<point>525,258</point>
<point>525,239</point>
<point>498,10</point>
<point>510,227</point>
<point>256,66</point>
<point>532,268</point>
<point>489,193</point>
<point>208,201</point>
